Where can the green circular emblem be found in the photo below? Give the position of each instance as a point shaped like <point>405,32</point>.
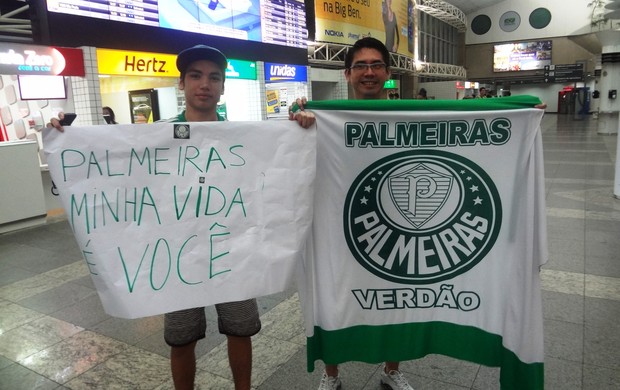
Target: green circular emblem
<point>481,24</point>
<point>422,216</point>
<point>540,18</point>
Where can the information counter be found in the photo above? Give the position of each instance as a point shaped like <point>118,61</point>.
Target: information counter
<point>22,202</point>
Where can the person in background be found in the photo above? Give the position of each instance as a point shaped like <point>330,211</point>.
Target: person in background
<point>367,68</point>
<point>422,94</point>
<point>392,37</point>
<point>107,111</point>
<point>483,92</point>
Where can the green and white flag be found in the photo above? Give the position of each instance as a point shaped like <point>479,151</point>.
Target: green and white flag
<point>429,230</point>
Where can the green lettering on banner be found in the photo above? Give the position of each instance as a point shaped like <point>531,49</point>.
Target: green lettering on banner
<point>457,133</point>
<point>107,160</point>
<point>158,160</point>
<point>214,156</point>
<point>422,298</point>
<point>178,213</point>
<point>479,133</point>
<point>187,158</point>
<point>168,256</point>
<point>427,133</point>
<point>87,254</point>
<point>92,207</point>
<point>64,157</point>
<point>237,200</point>
<point>146,156</point>
<point>131,283</point>
<point>92,161</point>
<point>74,208</point>
<point>179,262</point>
<point>162,250</point>
<point>242,160</point>
<point>212,257</point>
<point>147,193</point>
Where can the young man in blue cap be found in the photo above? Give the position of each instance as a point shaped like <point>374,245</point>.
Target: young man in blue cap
<point>203,72</point>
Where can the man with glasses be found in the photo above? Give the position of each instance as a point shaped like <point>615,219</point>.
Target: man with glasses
<point>366,70</point>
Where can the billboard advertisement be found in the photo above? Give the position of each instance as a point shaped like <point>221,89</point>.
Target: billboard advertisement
<point>346,21</point>
<point>512,57</point>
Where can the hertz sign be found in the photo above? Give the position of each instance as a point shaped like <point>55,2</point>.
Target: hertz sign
<point>136,63</point>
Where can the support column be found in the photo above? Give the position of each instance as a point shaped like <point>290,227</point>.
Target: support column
<point>609,117</point>
<point>86,91</point>
<point>609,82</point>
<point>617,176</point>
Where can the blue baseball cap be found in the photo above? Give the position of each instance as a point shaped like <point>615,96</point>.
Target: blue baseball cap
<point>201,52</point>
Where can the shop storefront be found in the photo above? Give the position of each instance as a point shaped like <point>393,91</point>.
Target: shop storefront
<point>33,88</point>
<point>142,87</point>
<point>283,84</point>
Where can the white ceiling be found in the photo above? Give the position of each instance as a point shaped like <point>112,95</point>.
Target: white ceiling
<point>469,6</point>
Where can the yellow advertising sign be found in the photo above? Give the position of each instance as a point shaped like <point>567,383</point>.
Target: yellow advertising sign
<point>346,21</point>
<point>358,12</point>
<point>135,63</point>
<point>273,101</point>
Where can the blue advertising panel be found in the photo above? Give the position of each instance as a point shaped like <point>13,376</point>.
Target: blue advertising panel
<point>277,73</point>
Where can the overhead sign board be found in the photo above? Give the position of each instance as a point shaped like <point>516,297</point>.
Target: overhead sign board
<point>239,69</point>
<point>280,22</point>
<point>135,63</point>
<point>278,73</point>
<point>563,72</point>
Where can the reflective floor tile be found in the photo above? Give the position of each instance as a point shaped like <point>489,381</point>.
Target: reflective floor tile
<point>73,356</point>
<point>131,369</point>
<point>12,316</point>
<point>23,341</point>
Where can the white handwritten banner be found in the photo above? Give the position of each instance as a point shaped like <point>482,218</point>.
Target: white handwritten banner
<point>172,216</point>
<point>429,230</point>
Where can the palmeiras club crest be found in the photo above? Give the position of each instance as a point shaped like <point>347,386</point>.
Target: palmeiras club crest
<point>421,216</point>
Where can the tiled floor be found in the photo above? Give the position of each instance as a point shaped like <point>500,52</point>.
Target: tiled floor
<point>55,335</point>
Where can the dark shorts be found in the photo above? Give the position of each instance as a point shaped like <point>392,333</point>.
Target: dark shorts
<point>234,319</point>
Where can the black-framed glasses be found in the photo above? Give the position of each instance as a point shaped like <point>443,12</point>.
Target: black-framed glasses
<point>362,67</point>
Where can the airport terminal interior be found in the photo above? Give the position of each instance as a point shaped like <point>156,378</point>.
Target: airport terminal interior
<point>55,334</point>
<point>54,331</point>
